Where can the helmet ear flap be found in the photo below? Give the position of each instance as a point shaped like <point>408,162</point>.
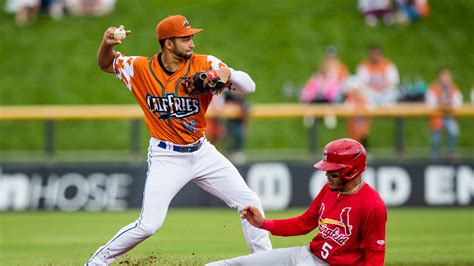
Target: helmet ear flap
<point>355,167</point>
<point>347,172</point>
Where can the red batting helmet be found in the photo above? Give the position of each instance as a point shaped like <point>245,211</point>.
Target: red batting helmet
<point>346,155</point>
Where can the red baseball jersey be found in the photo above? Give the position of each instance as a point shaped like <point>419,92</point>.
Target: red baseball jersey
<point>348,225</point>
<point>170,114</point>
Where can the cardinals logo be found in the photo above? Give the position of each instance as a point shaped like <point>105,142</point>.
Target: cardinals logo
<point>341,231</point>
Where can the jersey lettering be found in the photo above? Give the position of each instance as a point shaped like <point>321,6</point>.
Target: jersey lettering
<point>172,106</point>
<point>340,230</point>
<point>170,113</point>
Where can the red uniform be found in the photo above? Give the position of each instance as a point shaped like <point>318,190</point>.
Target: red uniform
<point>349,226</point>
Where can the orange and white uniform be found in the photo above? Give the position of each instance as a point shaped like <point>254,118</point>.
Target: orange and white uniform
<point>382,79</point>
<point>178,152</point>
<point>437,97</point>
<point>443,96</point>
<point>170,114</point>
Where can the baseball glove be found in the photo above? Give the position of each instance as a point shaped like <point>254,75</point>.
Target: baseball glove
<point>209,81</point>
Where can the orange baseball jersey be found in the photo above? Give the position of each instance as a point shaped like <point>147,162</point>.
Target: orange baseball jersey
<point>380,74</point>
<point>170,114</point>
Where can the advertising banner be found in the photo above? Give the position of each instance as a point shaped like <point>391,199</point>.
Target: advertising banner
<point>280,185</point>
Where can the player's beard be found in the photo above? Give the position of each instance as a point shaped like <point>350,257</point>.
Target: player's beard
<point>338,185</point>
<point>182,55</point>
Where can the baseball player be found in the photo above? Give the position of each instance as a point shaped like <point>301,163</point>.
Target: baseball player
<point>174,88</point>
<point>350,214</point>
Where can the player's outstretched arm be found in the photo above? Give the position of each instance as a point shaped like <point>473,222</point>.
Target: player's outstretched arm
<point>106,54</point>
<point>252,215</point>
<point>242,82</point>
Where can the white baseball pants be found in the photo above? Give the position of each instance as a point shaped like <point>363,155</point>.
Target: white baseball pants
<point>292,256</point>
<point>168,172</point>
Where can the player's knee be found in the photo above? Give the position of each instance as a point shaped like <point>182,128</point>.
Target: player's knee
<point>251,199</point>
<point>255,199</point>
<point>149,229</point>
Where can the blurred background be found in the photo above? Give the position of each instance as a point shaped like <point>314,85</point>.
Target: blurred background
<point>395,75</point>
<point>281,44</point>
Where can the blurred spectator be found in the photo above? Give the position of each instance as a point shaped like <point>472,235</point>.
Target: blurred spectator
<point>26,11</point>
<point>380,75</point>
<point>410,11</point>
<point>89,7</point>
<point>236,128</point>
<point>230,132</point>
<point>325,85</point>
<point>443,94</point>
<point>413,90</point>
<point>355,92</point>
<point>373,10</point>
<point>214,127</point>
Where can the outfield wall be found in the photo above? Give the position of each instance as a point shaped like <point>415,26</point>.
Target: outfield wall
<point>280,185</point>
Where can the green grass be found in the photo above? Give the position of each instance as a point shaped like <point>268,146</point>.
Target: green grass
<point>275,41</point>
<point>195,236</point>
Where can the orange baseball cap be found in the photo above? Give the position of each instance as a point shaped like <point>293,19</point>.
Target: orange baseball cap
<point>174,26</point>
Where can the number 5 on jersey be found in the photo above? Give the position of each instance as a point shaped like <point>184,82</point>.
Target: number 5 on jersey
<point>325,250</point>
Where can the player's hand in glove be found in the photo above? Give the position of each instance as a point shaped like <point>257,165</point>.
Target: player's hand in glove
<point>209,81</point>
<point>252,215</point>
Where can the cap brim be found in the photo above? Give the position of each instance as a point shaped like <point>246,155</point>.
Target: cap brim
<point>327,166</point>
<point>189,32</point>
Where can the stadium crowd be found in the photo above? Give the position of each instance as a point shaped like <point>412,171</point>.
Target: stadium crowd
<point>376,82</point>
<point>393,12</point>
<point>27,11</point>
